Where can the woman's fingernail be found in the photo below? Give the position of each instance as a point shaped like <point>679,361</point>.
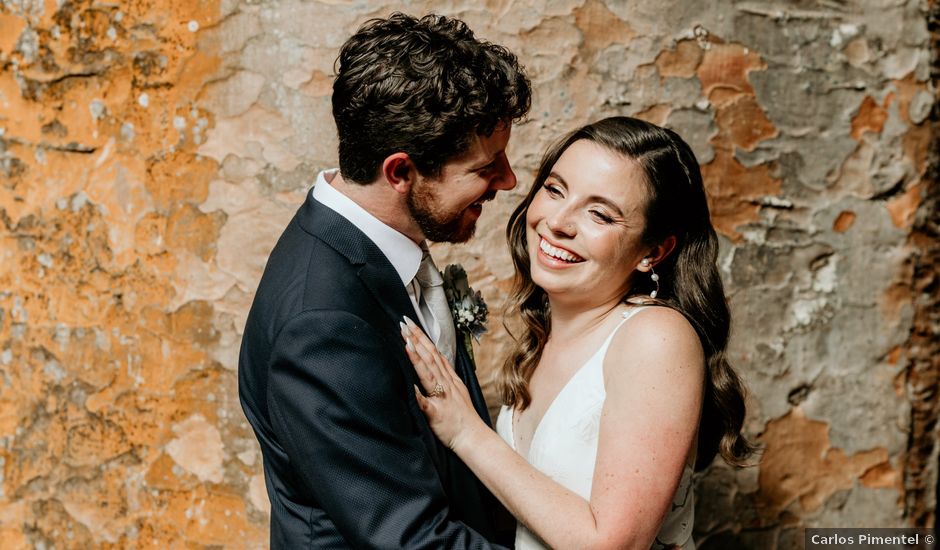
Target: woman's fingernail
<point>409,345</point>
<point>403,327</point>
<point>410,323</point>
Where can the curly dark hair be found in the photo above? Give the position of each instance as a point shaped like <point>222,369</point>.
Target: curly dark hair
<point>688,277</point>
<point>420,86</point>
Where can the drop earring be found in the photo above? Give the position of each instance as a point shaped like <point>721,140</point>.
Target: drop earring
<point>653,276</point>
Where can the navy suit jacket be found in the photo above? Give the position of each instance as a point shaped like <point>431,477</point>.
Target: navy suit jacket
<point>349,458</point>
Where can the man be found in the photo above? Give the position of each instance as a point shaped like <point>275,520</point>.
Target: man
<point>423,112</point>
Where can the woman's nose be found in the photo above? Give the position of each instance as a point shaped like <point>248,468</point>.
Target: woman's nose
<point>560,222</point>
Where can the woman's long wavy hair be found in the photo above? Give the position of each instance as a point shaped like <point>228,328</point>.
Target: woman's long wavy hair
<point>688,277</point>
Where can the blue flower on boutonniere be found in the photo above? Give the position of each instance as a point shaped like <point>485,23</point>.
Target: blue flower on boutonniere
<point>466,305</point>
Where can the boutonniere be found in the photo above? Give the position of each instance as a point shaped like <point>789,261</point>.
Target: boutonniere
<point>466,305</point>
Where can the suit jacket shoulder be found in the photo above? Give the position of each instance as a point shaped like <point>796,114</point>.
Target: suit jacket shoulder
<point>327,387</point>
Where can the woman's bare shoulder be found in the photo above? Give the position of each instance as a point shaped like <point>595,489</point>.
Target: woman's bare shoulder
<point>655,336</point>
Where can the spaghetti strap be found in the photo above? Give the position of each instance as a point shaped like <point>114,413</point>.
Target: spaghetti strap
<point>627,315</point>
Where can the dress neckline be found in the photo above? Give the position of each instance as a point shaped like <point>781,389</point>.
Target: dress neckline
<point>602,349</point>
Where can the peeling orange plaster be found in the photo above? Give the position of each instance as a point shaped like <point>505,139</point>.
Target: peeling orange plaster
<point>319,85</point>
<point>101,206</point>
<point>681,62</point>
<point>723,72</point>
<point>903,207</point>
<point>743,124</point>
<point>735,190</point>
<point>657,114</point>
<point>799,464</point>
<point>882,476</point>
<point>916,144</point>
<point>11,27</point>
<point>894,299</point>
<point>906,89</point>
<point>843,221</point>
<point>871,117</point>
<point>601,27</point>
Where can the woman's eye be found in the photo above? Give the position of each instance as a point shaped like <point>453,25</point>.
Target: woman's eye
<point>600,216</point>
<point>552,190</point>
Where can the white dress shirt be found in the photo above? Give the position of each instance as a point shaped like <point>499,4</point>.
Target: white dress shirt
<point>402,252</point>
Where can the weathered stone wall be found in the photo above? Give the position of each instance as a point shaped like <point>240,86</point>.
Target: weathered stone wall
<point>152,151</point>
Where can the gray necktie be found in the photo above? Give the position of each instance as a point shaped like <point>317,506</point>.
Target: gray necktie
<point>433,297</point>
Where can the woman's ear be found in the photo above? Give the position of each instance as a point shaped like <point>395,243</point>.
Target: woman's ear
<point>399,171</point>
<point>660,251</point>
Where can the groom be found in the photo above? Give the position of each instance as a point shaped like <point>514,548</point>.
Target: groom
<point>423,111</point>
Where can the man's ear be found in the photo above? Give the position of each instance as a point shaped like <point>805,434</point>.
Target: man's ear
<point>399,171</point>
<point>660,251</point>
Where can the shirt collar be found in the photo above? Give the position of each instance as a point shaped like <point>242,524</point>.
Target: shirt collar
<point>402,252</point>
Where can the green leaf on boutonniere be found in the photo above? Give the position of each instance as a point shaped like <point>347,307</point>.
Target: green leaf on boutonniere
<point>466,305</point>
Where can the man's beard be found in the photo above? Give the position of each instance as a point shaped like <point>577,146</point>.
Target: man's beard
<point>441,227</point>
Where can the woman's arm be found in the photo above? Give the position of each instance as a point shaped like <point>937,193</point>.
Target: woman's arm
<point>653,379</point>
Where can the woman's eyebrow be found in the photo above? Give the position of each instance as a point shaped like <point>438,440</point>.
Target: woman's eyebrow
<point>593,198</point>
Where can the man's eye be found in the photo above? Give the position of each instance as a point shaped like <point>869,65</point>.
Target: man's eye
<point>488,168</point>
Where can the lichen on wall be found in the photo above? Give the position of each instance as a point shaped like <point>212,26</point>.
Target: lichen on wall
<point>151,153</point>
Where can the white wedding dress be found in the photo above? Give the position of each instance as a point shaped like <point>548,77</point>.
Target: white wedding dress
<point>564,447</point>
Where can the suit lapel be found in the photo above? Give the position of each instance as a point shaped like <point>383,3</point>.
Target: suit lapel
<point>375,271</point>
<point>466,369</point>
<point>378,275</point>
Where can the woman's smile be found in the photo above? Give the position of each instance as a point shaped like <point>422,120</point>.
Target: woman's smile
<point>556,256</point>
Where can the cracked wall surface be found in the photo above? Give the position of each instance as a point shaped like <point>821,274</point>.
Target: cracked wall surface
<point>152,151</point>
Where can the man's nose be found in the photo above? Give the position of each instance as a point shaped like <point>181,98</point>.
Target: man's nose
<point>506,178</point>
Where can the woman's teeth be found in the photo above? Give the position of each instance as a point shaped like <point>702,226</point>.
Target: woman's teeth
<point>558,253</point>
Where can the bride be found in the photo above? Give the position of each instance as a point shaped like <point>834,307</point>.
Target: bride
<point>619,387</point>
